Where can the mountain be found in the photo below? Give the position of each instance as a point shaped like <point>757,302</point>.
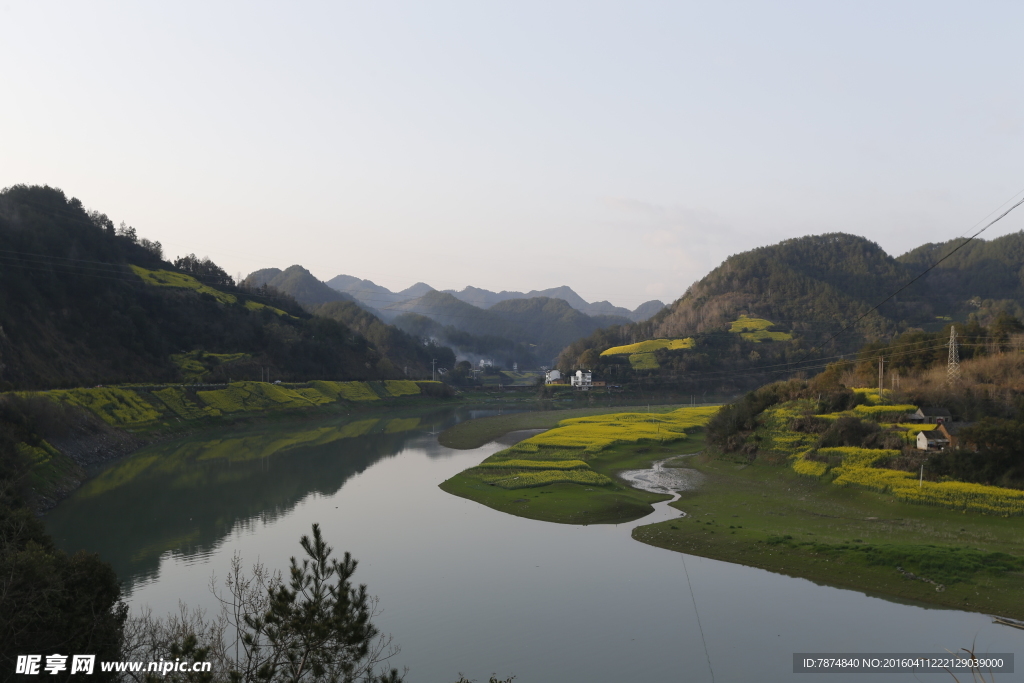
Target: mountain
<point>778,303</point>
<point>548,324</point>
<point>298,283</point>
<point>382,298</point>
<point>82,304</point>
<point>374,295</point>
<point>482,298</point>
<point>646,310</point>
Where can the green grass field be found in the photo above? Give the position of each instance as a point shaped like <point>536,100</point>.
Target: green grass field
<point>769,516</point>
<point>570,471</point>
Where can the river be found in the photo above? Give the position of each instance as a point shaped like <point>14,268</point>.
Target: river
<point>465,588</point>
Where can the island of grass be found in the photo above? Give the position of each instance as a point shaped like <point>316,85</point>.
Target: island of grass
<point>838,516</point>
<point>567,474</point>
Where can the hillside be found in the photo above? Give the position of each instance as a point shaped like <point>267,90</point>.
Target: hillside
<point>544,324</point>
<point>803,291</point>
<point>404,350</point>
<point>82,304</point>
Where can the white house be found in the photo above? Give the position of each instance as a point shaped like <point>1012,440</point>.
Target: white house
<point>931,440</point>
<point>552,376</point>
<point>582,380</point>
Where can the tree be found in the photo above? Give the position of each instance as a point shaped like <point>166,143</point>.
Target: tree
<point>128,232</point>
<point>316,628</point>
<point>204,270</point>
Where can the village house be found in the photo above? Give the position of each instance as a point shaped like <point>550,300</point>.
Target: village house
<point>582,380</point>
<point>552,377</point>
<point>929,415</point>
<point>951,431</point>
<point>932,440</point>
<point>945,435</point>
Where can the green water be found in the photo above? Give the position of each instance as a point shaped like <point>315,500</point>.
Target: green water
<point>185,496</point>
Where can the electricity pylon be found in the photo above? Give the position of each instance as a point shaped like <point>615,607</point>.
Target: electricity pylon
<point>953,367</point>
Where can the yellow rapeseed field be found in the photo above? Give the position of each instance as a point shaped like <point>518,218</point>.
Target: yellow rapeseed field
<point>176,399</point>
<point>118,407</point>
<point>858,468</point>
<point>256,306</point>
<point>559,455</point>
<point>349,391</point>
<point>529,479</point>
<point>757,329</point>
<point>257,396</point>
<point>520,464</point>
<point>169,278</point>
<point>402,387</point>
<point>649,346</point>
<point>597,432</point>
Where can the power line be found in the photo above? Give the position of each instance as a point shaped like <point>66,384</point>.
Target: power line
<point>919,276</point>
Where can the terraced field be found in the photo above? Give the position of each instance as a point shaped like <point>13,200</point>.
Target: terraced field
<point>641,354</point>
<point>757,330</point>
<point>569,471</point>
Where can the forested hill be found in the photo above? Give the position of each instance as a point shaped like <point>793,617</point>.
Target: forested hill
<point>980,270</point>
<point>806,282</point>
<point>544,324</point>
<point>298,283</point>
<point>807,289</point>
<point>84,303</point>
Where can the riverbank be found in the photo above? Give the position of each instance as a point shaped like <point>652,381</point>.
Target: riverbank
<point>475,433</point>
<point>62,434</point>
<point>569,475</point>
<point>767,516</point>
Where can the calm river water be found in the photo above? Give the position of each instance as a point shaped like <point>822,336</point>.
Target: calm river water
<point>467,589</point>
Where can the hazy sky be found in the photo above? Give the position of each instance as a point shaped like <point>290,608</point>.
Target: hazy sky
<point>623,149</point>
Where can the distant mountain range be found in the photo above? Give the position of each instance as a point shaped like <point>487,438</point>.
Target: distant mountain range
<point>509,326</point>
<point>383,299</point>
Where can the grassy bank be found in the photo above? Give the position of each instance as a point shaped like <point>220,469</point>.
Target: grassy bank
<point>769,516</point>
<point>62,431</point>
<point>475,433</point>
<point>568,474</point>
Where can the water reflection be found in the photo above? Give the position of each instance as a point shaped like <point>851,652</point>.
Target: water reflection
<point>186,496</point>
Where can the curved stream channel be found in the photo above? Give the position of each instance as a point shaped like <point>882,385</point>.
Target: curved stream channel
<point>465,588</point>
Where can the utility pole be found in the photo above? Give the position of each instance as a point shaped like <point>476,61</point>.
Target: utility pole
<point>953,366</point>
<point>433,375</point>
<point>880,376</point>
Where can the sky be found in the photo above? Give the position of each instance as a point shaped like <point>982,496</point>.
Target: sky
<point>623,149</point>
